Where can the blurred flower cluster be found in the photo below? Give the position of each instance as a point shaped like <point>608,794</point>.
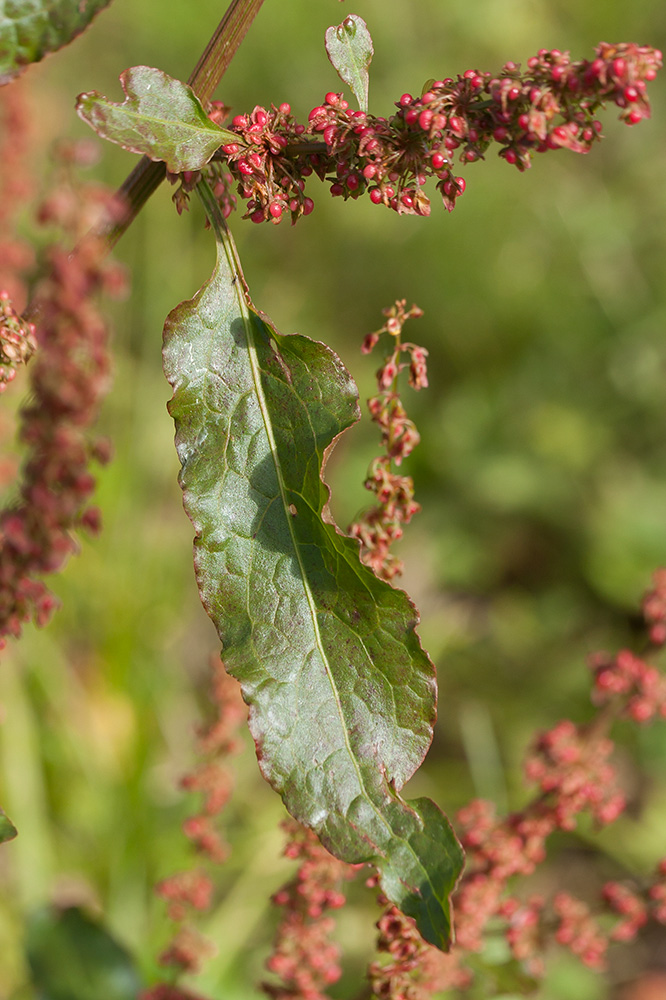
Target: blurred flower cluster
<point>191,890</point>
<point>305,958</point>
<point>571,767</point>
<point>68,378</point>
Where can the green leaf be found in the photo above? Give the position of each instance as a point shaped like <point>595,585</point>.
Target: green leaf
<point>73,957</point>
<point>349,48</point>
<point>341,695</point>
<point>7,829</point>
<point>160,117</point>
<point>30,29</point>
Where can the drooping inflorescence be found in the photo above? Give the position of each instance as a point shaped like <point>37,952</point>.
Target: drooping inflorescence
<point>552,104</point>
<point>190,891</point>
<point>382,525</point>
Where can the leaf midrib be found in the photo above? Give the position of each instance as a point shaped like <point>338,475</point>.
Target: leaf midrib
<point>213,129</point>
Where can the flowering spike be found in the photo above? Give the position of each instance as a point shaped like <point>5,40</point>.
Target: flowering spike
<point>551,105</point>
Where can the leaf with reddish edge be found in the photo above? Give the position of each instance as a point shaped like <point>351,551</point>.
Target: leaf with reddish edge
<point>7,829</point>
<point>349,47</point>
<point>161,117</point>
<point>30,29</point>
<point>341,694</point>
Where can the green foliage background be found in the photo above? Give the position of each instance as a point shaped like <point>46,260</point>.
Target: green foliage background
<point>542,475</point>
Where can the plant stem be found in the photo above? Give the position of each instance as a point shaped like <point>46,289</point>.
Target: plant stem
<point>222,47</point>
<point>147,175</point>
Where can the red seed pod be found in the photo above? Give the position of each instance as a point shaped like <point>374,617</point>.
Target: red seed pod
<point>425,119</point>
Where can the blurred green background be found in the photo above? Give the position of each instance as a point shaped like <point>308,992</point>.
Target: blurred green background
<point>542,476</point>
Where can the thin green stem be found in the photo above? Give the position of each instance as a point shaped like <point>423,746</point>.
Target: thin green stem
<point>211,67</point>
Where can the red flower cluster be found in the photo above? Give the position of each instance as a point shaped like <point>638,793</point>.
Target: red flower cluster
<point>629,906</point>
<point>524,932</point>
<point>17,341</point>
<point>571,768</point>
<point>381,526</point>
<point>641,687</point>
<point>413,970</point>
<point>551,105</point>
<point>304,957</point>
<point>269,178</point>
<point>578,930</point>
<point>187,950</point>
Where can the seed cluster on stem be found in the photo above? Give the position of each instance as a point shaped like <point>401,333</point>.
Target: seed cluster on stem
<point>550,105</point>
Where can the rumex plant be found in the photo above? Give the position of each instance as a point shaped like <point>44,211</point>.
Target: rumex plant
<point>341,695</point>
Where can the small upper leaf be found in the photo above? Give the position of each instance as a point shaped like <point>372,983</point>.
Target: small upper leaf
<point>349,48</point>
<point>160,117</point>
<point>30,29</point>
<point>7,829</point>
<point>341,694</point>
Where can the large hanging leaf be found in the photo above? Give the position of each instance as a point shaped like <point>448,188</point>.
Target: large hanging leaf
<point>29,29</point>
<point>160,117</point>
<point>341,695</point>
